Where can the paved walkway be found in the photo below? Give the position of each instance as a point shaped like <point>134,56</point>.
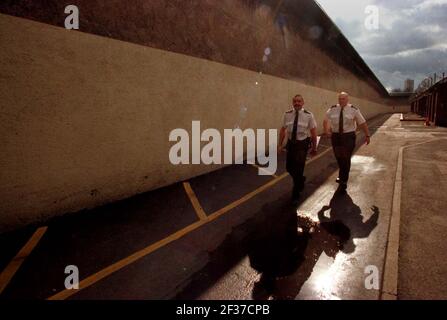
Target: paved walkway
<point>423,249</point>
<point>233,234</point>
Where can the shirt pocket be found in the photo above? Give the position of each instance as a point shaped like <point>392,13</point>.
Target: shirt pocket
<point>334,118</point>
<point>289,125</point>
<point>349,118</point>
<point>302,124</point>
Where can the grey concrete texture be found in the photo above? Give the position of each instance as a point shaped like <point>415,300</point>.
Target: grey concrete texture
<point>87,127</point>
<point>233,32</point>
<point>264,248</point>
<point>322,275</point>
<point>423,249</point>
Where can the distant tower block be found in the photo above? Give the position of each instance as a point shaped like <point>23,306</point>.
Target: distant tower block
<point>409,85</point>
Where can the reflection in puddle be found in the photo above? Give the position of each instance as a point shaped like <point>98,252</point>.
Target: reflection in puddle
<point>321,283</point>
<point>283,254</point>
<point>324,278</point>
<point>362,159</point>
<point>286,262</point>
<point>366,164</point>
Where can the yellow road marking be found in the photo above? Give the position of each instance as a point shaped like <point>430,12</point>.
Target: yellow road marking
<point>248,196</point>
<point>14,265</point>
<point>324,145</point>
<point>153,247</point>
<point>175,236</point>
<point>318,156</point>
<point>195,202</point>
<point>126,261</point>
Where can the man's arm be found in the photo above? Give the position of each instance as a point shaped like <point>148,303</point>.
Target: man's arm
<point>364,127</point>
<point>361,123</point>
<point>313,135</point>
<point>327,127</point>
<point>282,135</point>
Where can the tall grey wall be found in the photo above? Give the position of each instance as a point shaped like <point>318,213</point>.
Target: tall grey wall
<point>85,119</point>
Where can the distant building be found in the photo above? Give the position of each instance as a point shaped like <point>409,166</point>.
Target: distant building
<point>431,102</point>
<point>409,85</point>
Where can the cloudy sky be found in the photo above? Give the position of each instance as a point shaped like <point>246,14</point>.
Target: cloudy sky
<point>411,41</point>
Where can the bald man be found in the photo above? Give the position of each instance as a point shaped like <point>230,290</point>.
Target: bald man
<point>340,124</point>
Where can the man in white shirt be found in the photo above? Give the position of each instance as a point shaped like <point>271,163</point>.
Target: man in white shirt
<point>340,124</point>
<point>299,125</point>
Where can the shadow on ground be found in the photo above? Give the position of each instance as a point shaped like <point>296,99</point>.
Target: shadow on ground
<point>342,208</point>
<point>93,239</point>
<point>284,247</point>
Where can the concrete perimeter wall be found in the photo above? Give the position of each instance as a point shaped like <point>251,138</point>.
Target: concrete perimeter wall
<point>85,119</point>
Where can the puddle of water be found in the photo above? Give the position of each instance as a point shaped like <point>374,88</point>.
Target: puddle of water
<point>320,285</point>
<point>284,272</point>
<point>271,258</point>
<point>366,164</point>
<point>362,159</point>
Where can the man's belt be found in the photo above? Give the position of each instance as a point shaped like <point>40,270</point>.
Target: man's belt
<point>299,142</point>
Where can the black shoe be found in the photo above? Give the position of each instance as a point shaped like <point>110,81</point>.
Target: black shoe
<point>339,181</point>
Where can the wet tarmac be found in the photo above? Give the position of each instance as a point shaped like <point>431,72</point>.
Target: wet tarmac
<point>252,242</point>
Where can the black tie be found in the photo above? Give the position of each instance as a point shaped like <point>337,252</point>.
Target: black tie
<point>340,121</point>
<point>295,126</point>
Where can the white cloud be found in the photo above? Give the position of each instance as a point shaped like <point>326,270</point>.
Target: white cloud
<point>429,4</point>
<point>434,28</point>
<point>410,42</point>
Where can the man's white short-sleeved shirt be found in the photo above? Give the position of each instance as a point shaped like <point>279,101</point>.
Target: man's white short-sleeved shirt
<point>306,121</point>
<point>351,117</point>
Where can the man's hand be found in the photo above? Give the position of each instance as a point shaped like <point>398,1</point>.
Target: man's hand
<point>281,149</point>
<point>313,152</point>
<point>367,140</point>
<point>364,127</point>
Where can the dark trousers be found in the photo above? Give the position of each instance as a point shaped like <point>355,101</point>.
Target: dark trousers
<point>343,146</point>
<point>295,162</point>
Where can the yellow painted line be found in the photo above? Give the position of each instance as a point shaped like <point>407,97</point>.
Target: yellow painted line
<point>195,202</point>
<point>175,236</point>
<point>247,197</point>
<point>14,265</point>
<point>319,155</point>
<point>324,145</point>
<point>265,170</point>
<point>90,280</point>
<point>153,247</point>
<point>262,188</point>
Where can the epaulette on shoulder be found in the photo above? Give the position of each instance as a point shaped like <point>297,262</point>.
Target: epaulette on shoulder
<point>334,106</point>
<point>305,111</point>
<point>290,111</point>
<point>354,107</point>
